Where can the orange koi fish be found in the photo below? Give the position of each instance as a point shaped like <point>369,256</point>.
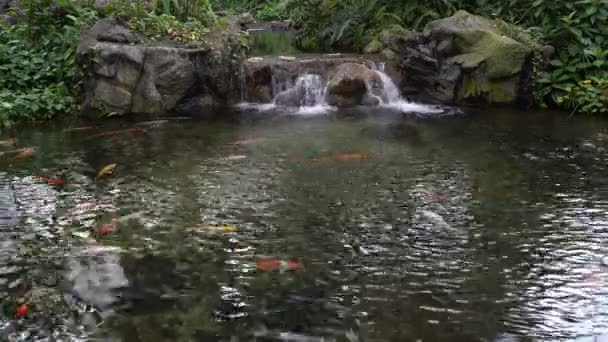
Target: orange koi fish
<point>118,132</point>
<point>344,156</point>
<point>107,228</point>
<point>51,180</point>
<point>24,153</point>
<point>272,265</point>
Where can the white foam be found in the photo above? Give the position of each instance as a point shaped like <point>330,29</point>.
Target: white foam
<point>412,107</point>
<point>261,107</point>
<point>315,110</point>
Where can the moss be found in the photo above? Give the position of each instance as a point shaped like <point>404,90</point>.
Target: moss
<point>495,91</point>
<point>374,46</point>
<point>502,56</point>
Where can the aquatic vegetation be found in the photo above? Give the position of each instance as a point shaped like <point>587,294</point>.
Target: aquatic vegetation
<point>106,170</point>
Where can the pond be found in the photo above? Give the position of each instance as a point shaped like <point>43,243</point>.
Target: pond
<point>488,225</point>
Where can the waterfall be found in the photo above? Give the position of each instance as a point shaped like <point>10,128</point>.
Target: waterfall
<point>312,90</point>
<point>307,93</point>
<point>390,96</point>
<point>390,93</point>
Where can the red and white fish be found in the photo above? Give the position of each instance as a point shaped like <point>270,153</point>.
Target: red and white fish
<point>281,265</point>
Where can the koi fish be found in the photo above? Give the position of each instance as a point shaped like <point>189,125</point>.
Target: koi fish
<point>344,156</point>
<point>272,265</point>
<point>244,142</point>
<point>24,153</point>
<point>51,180</point>
<point>118,132</point>
<point>106,170</point>
<point>80,129</point>
<point>107,228</point>
<point>227,228</point>
<point>21,311</point>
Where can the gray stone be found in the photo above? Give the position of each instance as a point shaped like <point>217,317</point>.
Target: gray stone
<point>463,59</point>
<point>112,96</point>
<point>290,98</point>
<point>159,78</point>
<point>348,85</point>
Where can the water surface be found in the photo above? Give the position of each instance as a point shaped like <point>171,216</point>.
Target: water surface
<point>484,226</point>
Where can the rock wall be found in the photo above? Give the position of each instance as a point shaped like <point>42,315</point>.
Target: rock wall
<point>124,75</point>
<point>463,59</point>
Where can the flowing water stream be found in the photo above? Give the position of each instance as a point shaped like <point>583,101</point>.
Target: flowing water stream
<point>489,225</point>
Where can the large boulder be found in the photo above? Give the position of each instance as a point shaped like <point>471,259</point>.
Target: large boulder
<point>463,59</point>
<point>124,76</point>
<point>350,83</point>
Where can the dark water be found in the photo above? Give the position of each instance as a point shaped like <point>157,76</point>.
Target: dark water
<point>487,226</point>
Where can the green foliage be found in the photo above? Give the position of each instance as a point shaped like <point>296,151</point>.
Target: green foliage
<point>156,27</point>
<point>38,74</point>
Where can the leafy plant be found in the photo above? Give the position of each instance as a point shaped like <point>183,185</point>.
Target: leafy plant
<point>38,74</point>
<point>156,27</point>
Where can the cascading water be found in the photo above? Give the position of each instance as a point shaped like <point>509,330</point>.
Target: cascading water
<point>307,93</point>
<point>312,89</point>
<point>390,93</point>
<point>390,97</point>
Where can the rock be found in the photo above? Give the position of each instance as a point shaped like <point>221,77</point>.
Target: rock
<point>289,98</point>
<point>160,78</point>
<point>287,58</point>
<point>547,53</point>
<point>265,78</point>
<point>255,59</point>
<point>4,5</point>
<point>263,93</point>
<point>239,22</point>
<point>389,54</point>
<point>463,59</point>
<point>374,46</point>
<point>490,61</point>
<point>119,34</point>
<point>348,85</point>
<point>284,25</point>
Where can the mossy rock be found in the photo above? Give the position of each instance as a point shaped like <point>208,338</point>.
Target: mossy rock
<point>491,61</point>
<point>475,40</point>
<point>375,46</point>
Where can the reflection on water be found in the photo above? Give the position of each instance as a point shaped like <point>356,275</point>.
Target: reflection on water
<point>482,226</point>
